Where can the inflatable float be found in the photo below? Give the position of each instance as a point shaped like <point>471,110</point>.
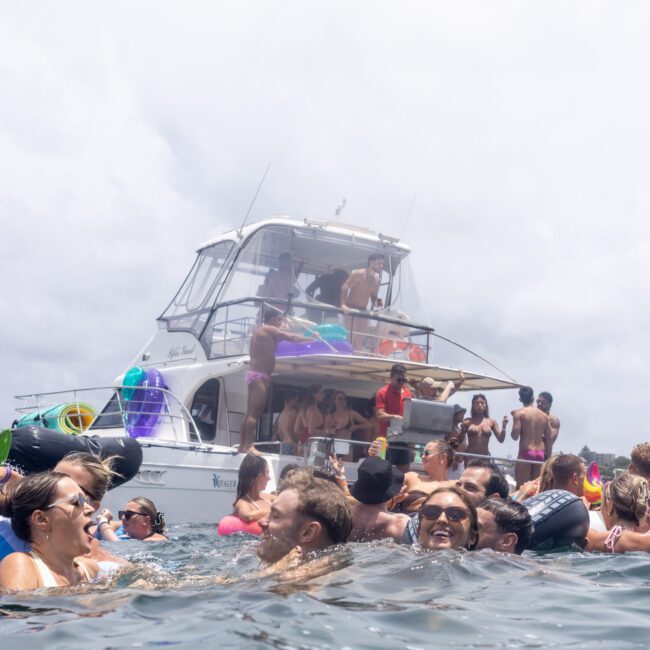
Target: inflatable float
<point>560,519</point>
<point>593,485</point>
<point>231,524</point>
<point>35,449</point>
<point>71,419</point>
<point>144,400</point>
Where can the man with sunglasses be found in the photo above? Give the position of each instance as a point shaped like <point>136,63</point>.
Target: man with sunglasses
<point>389,405</point>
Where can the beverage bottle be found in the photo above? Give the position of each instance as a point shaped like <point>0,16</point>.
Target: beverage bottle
<point>384,445</point>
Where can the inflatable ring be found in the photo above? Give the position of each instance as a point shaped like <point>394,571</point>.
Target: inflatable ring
<point>289,349</point>
<point>417,354</point>
<point>71,418</point>
<point>231,524</point>
<point>593,485</point>
<point>389,347</point>
<point>143,408</point>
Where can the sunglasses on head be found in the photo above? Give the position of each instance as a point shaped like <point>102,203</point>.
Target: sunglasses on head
<point>127,514</point>
<point>77,500</point>
<point>453,513</point>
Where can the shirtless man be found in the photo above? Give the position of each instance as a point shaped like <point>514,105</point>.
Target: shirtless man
<point>362,286</point>
<point>377,484</point>
<point>532,428</point>
<point>544,403</point>
<point>263,346</point>
<point>284,426</point>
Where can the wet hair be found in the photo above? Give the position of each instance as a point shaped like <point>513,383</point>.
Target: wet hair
<point>511,517</point>
<point>497,482</point>
<point>99,469</point>
<point>397,369</point>
<point>270,313</point>
<point>323,501</point>
<point>640,460</point>
<point>526,395</point>
<point>250,469</point>
<point>375,256</point>
<point>445,447</point>
<point>477,397</point>
<point>629,496</point>
<point>326,474</point>
<point>547,396</point>
<point>34,492</point>
<point>289,467</point>
<point>473,517</point>
<point>341,274</point>
<point>149,509</point>
<point>563,468</point>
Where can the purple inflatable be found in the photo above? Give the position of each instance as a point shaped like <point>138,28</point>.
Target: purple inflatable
<point>143,408</point>
<point>288,349</point>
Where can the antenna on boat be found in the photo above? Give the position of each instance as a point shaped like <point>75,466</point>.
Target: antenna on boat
<point>340,207</point>
<point>250,207</point>
<point>408,216</point>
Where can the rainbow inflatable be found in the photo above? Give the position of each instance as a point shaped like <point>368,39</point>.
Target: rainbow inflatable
<point>593,485</point>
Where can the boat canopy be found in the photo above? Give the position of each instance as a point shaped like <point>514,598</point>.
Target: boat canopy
<point>378,371</point>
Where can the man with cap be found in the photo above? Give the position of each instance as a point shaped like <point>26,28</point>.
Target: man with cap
<point>438,391</point>
<point>378,484</point>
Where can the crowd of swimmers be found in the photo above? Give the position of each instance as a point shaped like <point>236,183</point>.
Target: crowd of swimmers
<point>51,539</point>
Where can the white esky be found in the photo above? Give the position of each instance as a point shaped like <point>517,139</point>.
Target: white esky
<point>131,132</point>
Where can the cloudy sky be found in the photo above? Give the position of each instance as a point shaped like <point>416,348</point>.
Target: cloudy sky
<point>131,132</point>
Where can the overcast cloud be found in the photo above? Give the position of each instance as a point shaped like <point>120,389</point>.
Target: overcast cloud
<point>131,132</point>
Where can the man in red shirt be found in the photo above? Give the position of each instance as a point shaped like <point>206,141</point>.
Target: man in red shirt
<point>389,405</point>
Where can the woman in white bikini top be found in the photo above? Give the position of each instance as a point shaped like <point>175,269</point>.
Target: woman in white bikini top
<point>50,511</point>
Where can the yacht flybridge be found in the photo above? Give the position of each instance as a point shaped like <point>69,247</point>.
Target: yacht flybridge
<point>183,397</point>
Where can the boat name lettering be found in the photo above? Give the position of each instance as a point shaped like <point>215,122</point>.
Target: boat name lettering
<point>220,483</point>
<point>180,351</point>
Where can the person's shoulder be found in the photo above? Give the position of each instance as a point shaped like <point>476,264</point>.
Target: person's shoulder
<point>407,392</point>
<point>17,559</point>
<point>18,570</point>
<point>383,390</point>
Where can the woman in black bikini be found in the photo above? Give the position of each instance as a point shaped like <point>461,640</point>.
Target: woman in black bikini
<point>479,427</point>
<point>342,420</point>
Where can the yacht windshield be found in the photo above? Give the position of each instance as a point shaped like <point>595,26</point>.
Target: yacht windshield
<point>190,308</point>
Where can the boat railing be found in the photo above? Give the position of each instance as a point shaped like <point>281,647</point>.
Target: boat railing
<point>139,412</point>
<point>231,327</point>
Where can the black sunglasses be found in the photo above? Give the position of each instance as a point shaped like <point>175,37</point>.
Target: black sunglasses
<point>453,513</point>
<point>127,514</point>
<point>400,380</point>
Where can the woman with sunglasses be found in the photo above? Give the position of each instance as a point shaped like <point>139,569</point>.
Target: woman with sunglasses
<point>140,520</point>
<point>51,513</point>
<point>480,426</point>
<point>448,520</point>
<point>437,458</point>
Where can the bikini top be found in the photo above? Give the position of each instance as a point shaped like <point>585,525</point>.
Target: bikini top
<point>613,537</point>
<point>47,577</point>
<point>347,425</point>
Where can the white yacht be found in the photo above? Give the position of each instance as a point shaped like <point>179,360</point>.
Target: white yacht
<point>188,420</point>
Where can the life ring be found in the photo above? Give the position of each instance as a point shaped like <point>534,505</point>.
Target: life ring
<point>416,353</point>
<point>145,404</point>
<point>390,347</point>
<point>231,524</point>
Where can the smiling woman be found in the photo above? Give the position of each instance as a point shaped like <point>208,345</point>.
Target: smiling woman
<point>448,520</point>
<point>51,512</point>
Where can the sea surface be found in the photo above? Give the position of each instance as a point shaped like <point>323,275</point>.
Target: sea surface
<point>381,596</point>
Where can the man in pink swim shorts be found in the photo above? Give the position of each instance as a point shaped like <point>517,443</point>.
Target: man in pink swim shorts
<point>531,426</point>
<point>258,379</point>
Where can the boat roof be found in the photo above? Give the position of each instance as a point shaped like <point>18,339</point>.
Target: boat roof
<point>377,370</point>
<point>320,224</point>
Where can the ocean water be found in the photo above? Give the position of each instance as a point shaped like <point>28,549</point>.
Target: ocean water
<point>380,596</point>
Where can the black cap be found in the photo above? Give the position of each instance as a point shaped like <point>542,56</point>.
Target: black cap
<point>377,481</point>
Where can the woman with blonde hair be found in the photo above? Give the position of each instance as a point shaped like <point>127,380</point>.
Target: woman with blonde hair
<point>624,509</point>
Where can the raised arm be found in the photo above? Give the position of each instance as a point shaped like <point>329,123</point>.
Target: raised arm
<point>498,433</point>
